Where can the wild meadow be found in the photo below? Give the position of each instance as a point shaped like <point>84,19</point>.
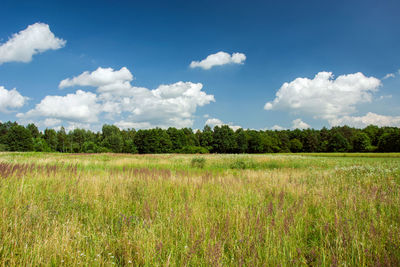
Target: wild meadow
<point>199,210</point>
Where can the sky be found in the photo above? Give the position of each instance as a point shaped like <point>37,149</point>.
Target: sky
<point>250,64</point>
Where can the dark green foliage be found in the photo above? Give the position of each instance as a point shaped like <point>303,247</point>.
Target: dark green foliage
<point>338,143</point>
<point>224,139</point>
<point>34,130</point>
<point>198,162</point>
<point>361,142</point>
<point>50,136</point>
<point>221,139</point>
<point>242,164</point>
<point>390,141</point>
<point>296,145</point>
<point>19,139</point>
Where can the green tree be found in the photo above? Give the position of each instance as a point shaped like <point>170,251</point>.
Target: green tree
<point>62,140</point>
<point>224,139</point>
<point>50,136</point>
<point>241,141</point>
<point>361,142</point>
<point>19,139</point>
<point>295,145</point>
<point>338,143</point>
<point>206,138</point>
<point>34,130</point>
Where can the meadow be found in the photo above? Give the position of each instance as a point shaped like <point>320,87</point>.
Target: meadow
<point>199,210</point>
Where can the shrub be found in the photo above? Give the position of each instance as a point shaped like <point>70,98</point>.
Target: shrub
<point>198,162</point>
<point>243,164</point>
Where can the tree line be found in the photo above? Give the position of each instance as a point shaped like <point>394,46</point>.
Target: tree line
<point>220,139</point>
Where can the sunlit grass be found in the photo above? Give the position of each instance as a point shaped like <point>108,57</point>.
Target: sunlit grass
<point>107,209</point>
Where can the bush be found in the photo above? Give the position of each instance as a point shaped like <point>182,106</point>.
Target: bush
<point>198,162</point>
<point>243,164</point>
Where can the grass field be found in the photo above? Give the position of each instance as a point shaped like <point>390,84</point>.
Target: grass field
<point>169,210</point>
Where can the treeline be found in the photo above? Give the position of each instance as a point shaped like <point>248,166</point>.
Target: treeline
<point>221,139</point>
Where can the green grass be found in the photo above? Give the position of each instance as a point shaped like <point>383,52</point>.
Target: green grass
<point>153,210</point>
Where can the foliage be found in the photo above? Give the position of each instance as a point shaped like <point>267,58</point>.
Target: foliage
<point>19,139</point>
<point>198,162</point>
<point>221,139</point>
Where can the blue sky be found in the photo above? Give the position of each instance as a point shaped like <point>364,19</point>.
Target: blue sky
<point>333,57</point>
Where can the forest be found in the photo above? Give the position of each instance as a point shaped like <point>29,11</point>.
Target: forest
<point>220,139</point>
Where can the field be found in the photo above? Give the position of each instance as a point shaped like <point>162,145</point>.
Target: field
<point>195,210</point>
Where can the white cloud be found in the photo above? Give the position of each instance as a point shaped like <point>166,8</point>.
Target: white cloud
<point>370,118</point>
<point>389,75</point>
<point>79,107</point>
<point>212,122</point>
<point>218,59</point>
<point>105,78</point>
<point>325,97</point>
<point>299,124</point>
<point>139,107</point>
<point>35,39</point>
<point>11,99</point>
<point>51,122</point>
<point>278,128</point>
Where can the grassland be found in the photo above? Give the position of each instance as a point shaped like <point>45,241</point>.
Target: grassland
<point>169,210</point>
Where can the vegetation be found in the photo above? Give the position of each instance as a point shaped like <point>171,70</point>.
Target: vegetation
<point>155,210</point>
<point>221,139</point>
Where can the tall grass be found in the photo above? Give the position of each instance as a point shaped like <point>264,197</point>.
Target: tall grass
<point>157,210</point>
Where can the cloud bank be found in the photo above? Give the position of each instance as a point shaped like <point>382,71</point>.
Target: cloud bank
<point>36,38</point>
<point>115,97</point>
<point>219,59</point>
<point>368,119</point>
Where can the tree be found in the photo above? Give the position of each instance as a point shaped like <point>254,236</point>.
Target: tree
<point>337,143</point>
<point>206,138</point>
<point>295,145</point>
<point>50,136</point>
<point>241,140</point>
<point>19,139</point>
<point>361,142</point>
<point>390,141</point>
<point>112,138</point>
<point>62,140</point>
<point>34,130</point>
<point>224,139</point>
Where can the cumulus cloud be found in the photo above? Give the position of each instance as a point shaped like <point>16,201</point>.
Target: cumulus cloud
<point>278,128</point>
<point>323,96</point>
<point>218,59</point>
<point>212,122</point>
<point>106,79</point>
<point>79,107</point>
<point>139,107</point>
<point>368,119</point>
<point>11,99</point>
<point>299,124</point>
<point>389,75</point>
<point>35,39</point>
